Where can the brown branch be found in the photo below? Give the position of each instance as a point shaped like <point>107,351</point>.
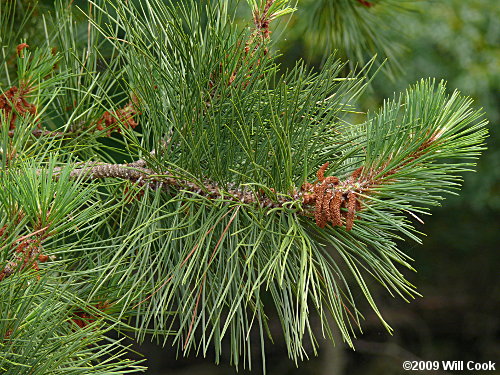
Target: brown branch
<point>328,199</point>
<point>376,178</point>
<point>42,132</point>
<point>318,196</point>
<point>109,121</point>
<point>261,20</point>
<point>155,180</point>
<point>42,230</point>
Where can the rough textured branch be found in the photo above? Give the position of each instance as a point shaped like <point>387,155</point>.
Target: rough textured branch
<point>42,133</point>
<point>154,180</point>
<point>329,199</point>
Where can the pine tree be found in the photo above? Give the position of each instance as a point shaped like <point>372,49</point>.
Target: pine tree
<point>162,175</point>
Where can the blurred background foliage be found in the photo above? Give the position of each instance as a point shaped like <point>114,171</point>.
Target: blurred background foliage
<point>457,318</point>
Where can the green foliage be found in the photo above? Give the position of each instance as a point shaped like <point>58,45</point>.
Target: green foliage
<point>275,10</point>
<point>40,337</point>
<point>216,226</point>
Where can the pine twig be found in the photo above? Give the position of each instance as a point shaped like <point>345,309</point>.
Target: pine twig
<point>37,133</point>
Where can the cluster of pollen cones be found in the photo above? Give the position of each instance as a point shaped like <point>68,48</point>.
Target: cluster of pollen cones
<point>335,201</point>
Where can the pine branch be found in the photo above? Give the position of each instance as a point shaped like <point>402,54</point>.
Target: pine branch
<point>332,198</point>
<point>154,180</point>
<point>37,133</point>
<point>110,121</point>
